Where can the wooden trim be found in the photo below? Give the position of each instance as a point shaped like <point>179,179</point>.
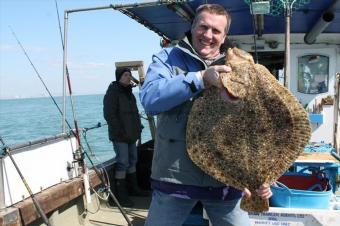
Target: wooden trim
<point>53,198</point>
<point>10,217</point>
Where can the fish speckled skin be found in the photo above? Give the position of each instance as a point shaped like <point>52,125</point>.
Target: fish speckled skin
<point>248,133</point>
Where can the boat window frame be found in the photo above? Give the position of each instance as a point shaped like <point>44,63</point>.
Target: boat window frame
<point>314,69</point>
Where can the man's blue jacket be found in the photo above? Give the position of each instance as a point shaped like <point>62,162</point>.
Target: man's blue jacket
<point>168,92</point>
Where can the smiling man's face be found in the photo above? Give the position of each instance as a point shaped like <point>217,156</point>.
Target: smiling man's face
<point>208,34</point>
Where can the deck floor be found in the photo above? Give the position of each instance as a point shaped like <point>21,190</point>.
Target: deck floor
<point>104,214</point>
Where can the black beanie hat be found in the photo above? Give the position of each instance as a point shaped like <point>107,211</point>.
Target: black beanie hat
<point>120,71</point>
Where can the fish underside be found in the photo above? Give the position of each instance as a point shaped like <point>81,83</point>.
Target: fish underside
<point>249,132</point>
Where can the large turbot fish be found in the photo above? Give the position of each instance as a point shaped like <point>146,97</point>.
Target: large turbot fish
<point>248,133</point>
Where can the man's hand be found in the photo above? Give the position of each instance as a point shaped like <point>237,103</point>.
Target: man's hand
<point>211,76</point>
<point>264,192</point>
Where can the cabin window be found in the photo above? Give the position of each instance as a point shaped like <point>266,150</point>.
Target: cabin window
<point>313,74</point>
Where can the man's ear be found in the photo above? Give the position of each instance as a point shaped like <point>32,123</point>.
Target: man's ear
<point>225,36</point>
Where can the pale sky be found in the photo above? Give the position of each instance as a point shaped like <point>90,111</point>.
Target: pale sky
<point>96,40</point>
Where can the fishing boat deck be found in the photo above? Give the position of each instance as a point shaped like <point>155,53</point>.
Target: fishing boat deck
<point>102,214</point>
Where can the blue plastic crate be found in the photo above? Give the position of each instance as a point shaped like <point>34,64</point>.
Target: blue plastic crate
<point>284,196</point>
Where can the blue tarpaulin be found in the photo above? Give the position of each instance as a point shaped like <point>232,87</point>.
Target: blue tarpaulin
<point>173,20</point>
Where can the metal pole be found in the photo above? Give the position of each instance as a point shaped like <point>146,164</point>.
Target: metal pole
<point>64,70</point>
<point>336,132</point>
<point>287,46</point>
<point>64,87</point>
<point>126,6</point>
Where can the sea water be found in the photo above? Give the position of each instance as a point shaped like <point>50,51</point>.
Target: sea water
<point>23,120</point>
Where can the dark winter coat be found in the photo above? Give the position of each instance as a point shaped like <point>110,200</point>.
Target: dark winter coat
<point>121,114</point>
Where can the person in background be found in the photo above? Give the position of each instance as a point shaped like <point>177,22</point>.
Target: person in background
<point>173,80</point>
<point>124,126</point>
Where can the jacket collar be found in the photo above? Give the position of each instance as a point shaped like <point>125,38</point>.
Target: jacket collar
<point>186,46</point>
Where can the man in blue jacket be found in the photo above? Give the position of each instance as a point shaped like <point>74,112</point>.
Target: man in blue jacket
<point>175,77</point>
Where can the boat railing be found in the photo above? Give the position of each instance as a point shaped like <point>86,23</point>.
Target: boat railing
<point>40,141</point>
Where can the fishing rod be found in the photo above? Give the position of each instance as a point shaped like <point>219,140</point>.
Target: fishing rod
<point>41,79</point>
<point>98,125</point>
<point>101,177</point>
<point>60,32</point>
<point>77,131</point>
<point>68,80</point>
<point>37,73</point>
<point>35,202</point>
<point>78,155</point>
<point>76,134</point>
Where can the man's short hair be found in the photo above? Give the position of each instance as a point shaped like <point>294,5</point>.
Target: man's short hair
<point>213,9</point>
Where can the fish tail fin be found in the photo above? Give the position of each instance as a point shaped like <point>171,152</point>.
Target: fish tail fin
<point>254,204</point>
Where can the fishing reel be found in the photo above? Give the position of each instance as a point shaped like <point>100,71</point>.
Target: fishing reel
<point>78,155</point>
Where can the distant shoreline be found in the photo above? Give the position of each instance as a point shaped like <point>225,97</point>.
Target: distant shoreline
<point>37,97</point>
<point>56,96</point>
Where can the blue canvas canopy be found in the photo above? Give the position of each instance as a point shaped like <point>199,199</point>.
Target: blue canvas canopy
<point>171,19</point>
